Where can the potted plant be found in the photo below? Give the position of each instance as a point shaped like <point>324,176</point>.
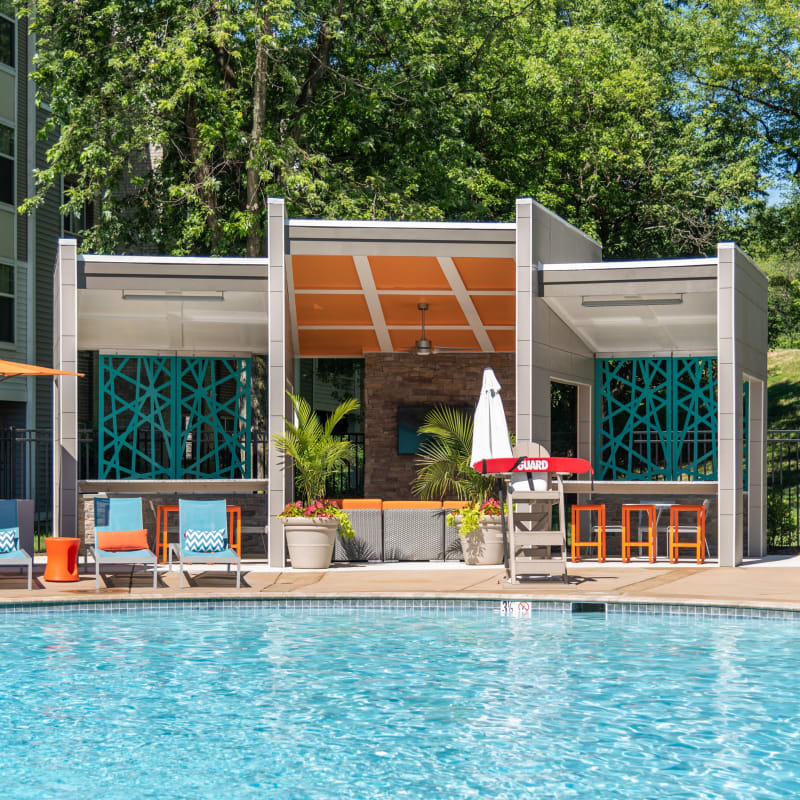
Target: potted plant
<point>444,469</point>
<point>311,524</point>
<point>480,531</point>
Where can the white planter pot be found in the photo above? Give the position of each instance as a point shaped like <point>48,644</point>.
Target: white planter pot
<point>310,541</point>
<point>484,546</point>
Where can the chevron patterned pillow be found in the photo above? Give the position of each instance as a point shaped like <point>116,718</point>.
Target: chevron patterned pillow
<point>8,539</point>
<point>205,541</point>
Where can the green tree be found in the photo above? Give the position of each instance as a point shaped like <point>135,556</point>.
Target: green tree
<point>180,117</point>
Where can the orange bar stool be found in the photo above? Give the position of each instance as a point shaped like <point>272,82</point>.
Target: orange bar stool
<point>699,542</point>
<point>600,542</point>
<point>651,541</point>
<point>62,558</point>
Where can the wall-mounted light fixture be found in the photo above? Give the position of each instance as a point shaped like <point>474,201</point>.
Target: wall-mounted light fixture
<point>146,294</point>
<point>632,300</point>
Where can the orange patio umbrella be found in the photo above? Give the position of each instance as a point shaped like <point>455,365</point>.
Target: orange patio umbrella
<point>13,369</point>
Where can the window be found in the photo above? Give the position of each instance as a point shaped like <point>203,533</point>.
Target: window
<point>6,33</point>
<point>6,303</point>
<point>6,165</point>
<point>76,222</point>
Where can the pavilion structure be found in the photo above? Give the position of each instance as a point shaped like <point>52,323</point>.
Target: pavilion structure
<point>189,356</point>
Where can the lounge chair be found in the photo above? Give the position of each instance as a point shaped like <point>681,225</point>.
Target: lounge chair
<point>10,552</point>
<point>204,536</point>
<point>118,529</point>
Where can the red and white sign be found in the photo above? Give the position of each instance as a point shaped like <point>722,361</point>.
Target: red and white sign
<point>497,466</point>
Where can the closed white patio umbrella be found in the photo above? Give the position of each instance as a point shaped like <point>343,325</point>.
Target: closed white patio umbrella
<point>490,437</point>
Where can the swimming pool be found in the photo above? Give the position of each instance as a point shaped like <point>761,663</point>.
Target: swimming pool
<point>262,702</point>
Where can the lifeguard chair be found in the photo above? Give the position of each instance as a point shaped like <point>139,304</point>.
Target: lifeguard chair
<point>532,534</point>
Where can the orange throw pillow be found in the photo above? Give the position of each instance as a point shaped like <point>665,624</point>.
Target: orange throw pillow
<point>122,540</point>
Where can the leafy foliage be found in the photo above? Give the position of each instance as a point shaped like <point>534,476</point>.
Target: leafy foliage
<point>472,514</point>
<point>642,124</point>
<point>443,466</point>
<point>781,524</point>
<point>315,453</point>
<point>321,509</point>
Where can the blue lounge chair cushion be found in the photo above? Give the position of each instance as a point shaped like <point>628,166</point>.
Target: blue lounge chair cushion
<point>205,541</point>
<point>132,555</point>
<point>118,513</point>
<point>9,537</point>
<point>189,555</point>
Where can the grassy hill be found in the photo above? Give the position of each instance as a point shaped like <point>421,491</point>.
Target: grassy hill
<point>783,404</point>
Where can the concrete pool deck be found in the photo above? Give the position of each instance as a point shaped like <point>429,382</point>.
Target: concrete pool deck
<point>766,583</point>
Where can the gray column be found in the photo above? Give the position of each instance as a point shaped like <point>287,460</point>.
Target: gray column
<point>277,376</point>
<point>65,390</point>
<point>585,412</point>
<point>729,411</point>
<point>524,319</point>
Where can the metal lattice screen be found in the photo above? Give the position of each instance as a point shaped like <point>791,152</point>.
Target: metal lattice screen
<point>168,417</point>
<point>656,418</point>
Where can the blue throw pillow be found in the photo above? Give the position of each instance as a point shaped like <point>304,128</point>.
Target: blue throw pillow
<point>205,541</point>
<point>8,539</point>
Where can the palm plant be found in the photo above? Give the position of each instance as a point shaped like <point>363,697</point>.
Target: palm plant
<point>314,450</point>
<point>443,466</point>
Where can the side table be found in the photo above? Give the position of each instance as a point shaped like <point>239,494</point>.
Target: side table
<point>62,558</point>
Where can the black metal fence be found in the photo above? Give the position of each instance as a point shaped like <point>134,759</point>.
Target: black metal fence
<point>348,481</point>
<point>26,471</point>
<point>783,489</point>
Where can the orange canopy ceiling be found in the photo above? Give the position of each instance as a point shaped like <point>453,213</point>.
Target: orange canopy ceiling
<point>348,305</point>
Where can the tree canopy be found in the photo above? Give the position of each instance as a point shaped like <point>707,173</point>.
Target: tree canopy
<point>653,126</point>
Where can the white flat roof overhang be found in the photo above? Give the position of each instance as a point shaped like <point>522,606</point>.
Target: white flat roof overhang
<point>637,307</point>
<point>377,238</point>
<point>134,304</point>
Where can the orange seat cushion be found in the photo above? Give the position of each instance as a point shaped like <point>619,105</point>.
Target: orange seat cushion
<point>122,540</point>
<point>411,504</point>
<point>455,503</point>
<point>361,502</point>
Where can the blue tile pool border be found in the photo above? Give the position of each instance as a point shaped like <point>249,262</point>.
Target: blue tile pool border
<point>490,606</point>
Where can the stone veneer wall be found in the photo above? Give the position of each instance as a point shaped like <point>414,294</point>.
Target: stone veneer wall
<point>254,517</point>
<point>408,380</point>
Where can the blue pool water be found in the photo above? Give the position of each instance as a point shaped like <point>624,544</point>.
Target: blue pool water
<point>330,703</point>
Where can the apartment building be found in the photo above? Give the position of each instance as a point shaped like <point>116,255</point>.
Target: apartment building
<point>28,243</point>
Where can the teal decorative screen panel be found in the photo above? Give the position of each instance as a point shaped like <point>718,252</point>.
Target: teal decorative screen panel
<point>694,420</point>
<point>745,430</point>
<point>215,417</point>
<point>136,417</point>
<point>167,417</point>
<point>656,418</point>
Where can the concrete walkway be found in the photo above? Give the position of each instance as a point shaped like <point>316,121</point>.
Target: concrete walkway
<point>769,583</point>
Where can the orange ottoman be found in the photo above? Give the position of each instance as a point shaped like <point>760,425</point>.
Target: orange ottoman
<point>62,558</point>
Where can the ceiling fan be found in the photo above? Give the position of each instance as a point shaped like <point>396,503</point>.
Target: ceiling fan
<point>424,347</point>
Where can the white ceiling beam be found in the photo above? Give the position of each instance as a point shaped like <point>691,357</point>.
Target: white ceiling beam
<point>373,303</point>
<point>465,301</point>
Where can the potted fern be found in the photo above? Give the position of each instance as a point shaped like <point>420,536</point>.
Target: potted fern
<point>443,468</point>
<point>311,523</point>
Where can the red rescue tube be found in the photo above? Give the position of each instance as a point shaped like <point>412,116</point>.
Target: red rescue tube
<point>496,466</point>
